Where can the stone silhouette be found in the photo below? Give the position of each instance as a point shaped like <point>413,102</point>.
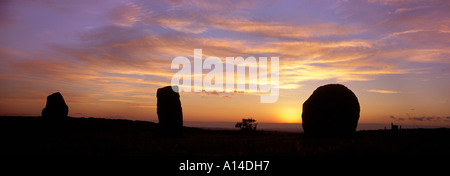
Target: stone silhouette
<point>56,108</point>
<point>170,115</point>
<point>331,111</point>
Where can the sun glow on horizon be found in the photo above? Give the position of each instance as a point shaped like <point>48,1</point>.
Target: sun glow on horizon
<point>290,115</point>
<point>108,58</point>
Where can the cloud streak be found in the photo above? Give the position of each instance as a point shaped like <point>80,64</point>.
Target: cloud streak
<point>383,91</point>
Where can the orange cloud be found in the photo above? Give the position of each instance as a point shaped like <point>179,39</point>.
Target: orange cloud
<point>126,14</point>
<point>186,26</point>
<point>383,91</point>
<point>280,30</point>
<point>124,59</point>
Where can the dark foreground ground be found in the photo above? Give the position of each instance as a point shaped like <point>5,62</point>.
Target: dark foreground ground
<point>92,136</point>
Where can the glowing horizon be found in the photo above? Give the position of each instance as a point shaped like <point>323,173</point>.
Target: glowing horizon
<point>107,58</point>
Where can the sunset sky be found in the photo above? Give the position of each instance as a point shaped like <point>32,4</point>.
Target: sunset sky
<point>107,58</point>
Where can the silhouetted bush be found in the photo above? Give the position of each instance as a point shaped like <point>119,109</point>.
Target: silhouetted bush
<point>247,124</point>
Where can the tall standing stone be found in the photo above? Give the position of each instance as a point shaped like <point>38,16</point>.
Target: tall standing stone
<point>170,115</point>
<point>331,111</point>
<point>55,108</point>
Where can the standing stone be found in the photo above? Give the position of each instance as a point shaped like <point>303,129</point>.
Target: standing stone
<point>170,115</point>
<point>331,111</point>
<point>56,108</point>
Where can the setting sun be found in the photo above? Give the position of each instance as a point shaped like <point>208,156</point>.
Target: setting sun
<point>290,115</point>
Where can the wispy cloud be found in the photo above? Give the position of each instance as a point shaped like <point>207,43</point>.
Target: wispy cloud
<point>383,91</point>
<point>403,10</point>
<point>123,50</point>
<point>126,14</point>
<point>423,119</point>
<point>397,118</point>
<point>430,119</point>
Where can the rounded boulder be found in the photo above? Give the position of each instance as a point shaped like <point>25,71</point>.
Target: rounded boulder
<point>331,111</point>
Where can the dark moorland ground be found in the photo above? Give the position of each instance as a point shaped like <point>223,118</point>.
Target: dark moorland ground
<point>94,136</point>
